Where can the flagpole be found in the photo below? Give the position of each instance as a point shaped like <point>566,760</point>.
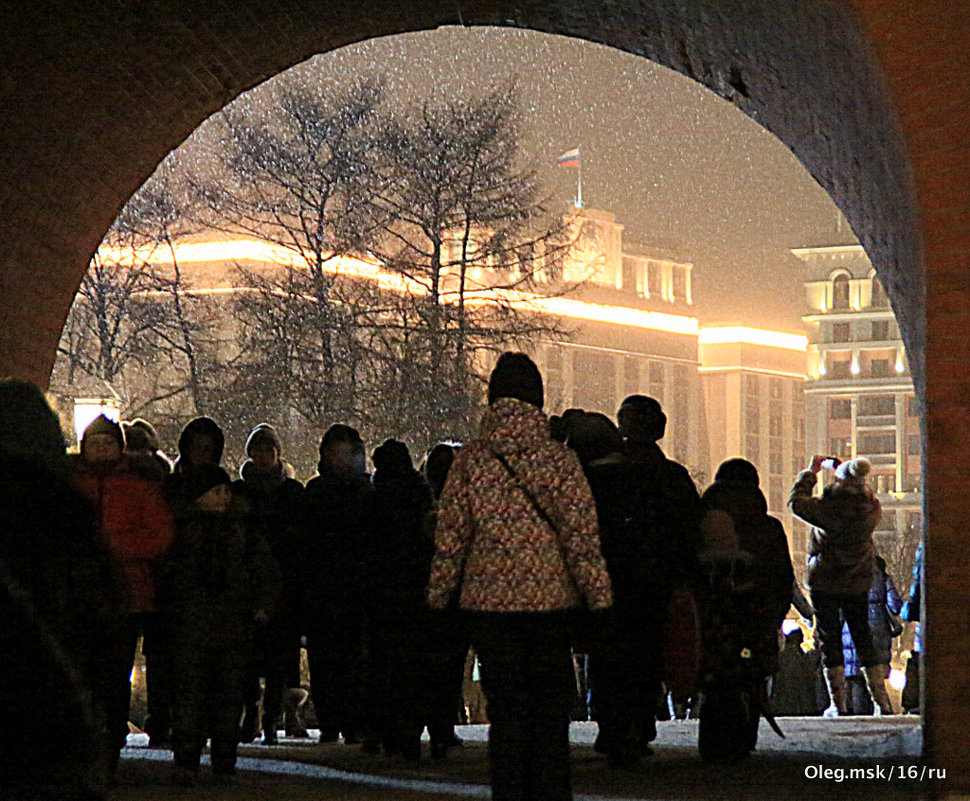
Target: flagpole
<point>579,174</point>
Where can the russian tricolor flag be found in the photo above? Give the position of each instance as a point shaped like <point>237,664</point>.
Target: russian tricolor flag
<point>569,159</point>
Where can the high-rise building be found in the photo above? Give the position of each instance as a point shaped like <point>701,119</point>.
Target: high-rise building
<point>754,383</point>
<point>859,398</point>
<point>634,333</point>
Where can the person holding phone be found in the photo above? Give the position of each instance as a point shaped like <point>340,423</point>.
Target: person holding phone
<point>840,568</point>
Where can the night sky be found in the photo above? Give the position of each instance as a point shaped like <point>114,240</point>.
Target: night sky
<point>677,165</point>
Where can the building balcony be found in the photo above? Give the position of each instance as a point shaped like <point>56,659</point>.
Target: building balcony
<point>853,383</point>
<point>876,421</point>
<point>880,459</point>
<point>900,500</point>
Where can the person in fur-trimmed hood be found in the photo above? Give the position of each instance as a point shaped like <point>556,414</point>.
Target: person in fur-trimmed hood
<point>517,547</point>
<point>141,445</point>
<point>267,500</point>
<point>840,569</point>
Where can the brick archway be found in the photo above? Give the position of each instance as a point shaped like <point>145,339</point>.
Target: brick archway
<point>869,96</point>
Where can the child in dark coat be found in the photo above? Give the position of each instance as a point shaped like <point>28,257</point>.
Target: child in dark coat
<point>224,582</point>
<point>745,589</point>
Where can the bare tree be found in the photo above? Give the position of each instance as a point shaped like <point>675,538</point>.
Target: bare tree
<point>109,325</point>
<point>298,179</point>
<point>438,200</point>
<point>186,331</point>
<point>467,226</point>
<point>135,326</point>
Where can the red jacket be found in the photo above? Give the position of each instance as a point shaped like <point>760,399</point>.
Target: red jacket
<point>135,522</point>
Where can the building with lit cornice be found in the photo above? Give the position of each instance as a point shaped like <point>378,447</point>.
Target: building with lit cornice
<point>645,344</point>
<point>754,383</point>
<point>859,398</point>
<point>631,329</point>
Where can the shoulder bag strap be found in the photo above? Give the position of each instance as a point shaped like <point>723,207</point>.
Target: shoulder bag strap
<point>543,514</point>
<point>529,494</point>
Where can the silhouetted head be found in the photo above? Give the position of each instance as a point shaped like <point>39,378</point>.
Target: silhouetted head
<point>263,446</point>
<point>392,459</point>
<point>739,471</point>
<point>201,441</point>
<point>207,486</point>
<point>593,436</point>
<point>437,464</point>
<point>103,441</point>
<point>342,451</point>
<point>516,376</point>
<point>28,428</point>
<point>641,419</point>
<point>140,435</point>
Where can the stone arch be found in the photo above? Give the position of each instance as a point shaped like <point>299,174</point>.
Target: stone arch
<point>869,95</point>
<point>819,94</point>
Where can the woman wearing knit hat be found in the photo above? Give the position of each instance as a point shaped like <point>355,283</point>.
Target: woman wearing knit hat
<point>223,582</point>
<point>267,499</point>
<point>840,569</point>
<point>136,526</point>
<point>517,548</point>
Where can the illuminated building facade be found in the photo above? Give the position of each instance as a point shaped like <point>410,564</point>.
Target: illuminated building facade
<point>754,385</point>
<point>646,344</point>
<point>859,398</point>
<point>630,329</point>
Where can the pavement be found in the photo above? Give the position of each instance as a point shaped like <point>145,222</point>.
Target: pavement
<point>848,758</point>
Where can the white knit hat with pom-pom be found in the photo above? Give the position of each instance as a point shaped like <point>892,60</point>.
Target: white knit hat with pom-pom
<point>853,469</point>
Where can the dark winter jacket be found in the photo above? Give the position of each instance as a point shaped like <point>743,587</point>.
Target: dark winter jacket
<point>220,576</point>
<point>398,557</point>
<point>744,600</point>
<point>53,563</point>
<point>763,537</point>
<point>269,504</point>
<point>134,521</point>
<point>638,528</point>
<point>336,528</point>
<point>493,549</point>
<point>882,595</point>
<point>679,505</point>
<point>842,520</point>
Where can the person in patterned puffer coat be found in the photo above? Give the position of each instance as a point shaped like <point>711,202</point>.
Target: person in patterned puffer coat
<point>517,547</point>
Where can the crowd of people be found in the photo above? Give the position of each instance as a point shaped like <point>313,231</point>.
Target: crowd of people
<point>540,538</point>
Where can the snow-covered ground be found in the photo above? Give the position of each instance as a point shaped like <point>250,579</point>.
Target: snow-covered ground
<point>875,737</point>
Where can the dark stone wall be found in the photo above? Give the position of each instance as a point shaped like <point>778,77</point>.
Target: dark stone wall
<point>98,93</point>
<point>924,50</point>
